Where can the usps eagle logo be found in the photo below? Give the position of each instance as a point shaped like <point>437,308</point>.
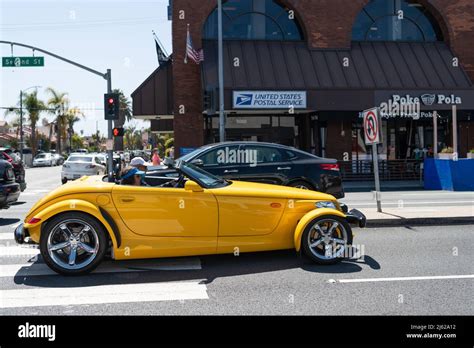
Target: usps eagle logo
<point>428,99</point>
<point>244,100</point>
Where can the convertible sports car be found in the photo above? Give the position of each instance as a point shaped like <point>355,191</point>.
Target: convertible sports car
<point>194,214</point>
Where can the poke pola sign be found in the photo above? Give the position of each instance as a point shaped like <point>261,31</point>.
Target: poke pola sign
<point>269,100</point>
<point>428,99</point>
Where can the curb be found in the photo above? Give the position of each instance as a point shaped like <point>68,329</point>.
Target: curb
<point>436,221</point>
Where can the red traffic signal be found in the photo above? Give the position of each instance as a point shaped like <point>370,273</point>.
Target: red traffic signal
<point>111,106</point>
<point>118,132</point>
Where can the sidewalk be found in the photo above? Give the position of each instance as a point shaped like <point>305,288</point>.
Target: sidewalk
<point>366,186</point>
<point>418,216</point>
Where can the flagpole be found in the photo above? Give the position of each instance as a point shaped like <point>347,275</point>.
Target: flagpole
<point>186,52</point>
<point>221,72</point>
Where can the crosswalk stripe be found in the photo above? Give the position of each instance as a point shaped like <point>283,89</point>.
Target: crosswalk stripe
<point>7,236</point>
<point>67,296</point>
<point>18,250</point>
<point>41,269</point>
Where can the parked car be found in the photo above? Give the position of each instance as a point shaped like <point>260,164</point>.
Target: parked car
<point>18,167</point>
<point>9,189</point>
<point>58,159</point>
<point>77,224</point>
<point>264,163</point>
<point>44,159</point>
<point>79,165</point>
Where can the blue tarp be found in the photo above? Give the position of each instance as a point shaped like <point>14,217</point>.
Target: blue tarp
<point>449,174</point>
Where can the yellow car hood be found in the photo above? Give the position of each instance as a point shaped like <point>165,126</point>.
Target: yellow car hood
<point>86,184</point>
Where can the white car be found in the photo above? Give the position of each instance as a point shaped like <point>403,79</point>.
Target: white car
<point>79,165</point>
<point>43,159</point>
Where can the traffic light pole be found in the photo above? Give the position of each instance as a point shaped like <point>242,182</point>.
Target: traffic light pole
<point>110,151</point>
<point>107,76</point>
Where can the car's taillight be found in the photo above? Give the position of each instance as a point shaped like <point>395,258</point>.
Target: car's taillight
<point>90,166</point>
<point>330,166</point>
<point>34,220</point>
<point>66,166</point>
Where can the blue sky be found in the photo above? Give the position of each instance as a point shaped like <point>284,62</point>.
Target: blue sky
<point>101,34</point>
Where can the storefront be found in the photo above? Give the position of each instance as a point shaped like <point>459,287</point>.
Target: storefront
<point>300,74</point>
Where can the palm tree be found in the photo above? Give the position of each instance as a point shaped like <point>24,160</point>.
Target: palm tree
<point>59,102</point>
<point>125,115</point>
<point>72,116</point>
<point>33,108</point>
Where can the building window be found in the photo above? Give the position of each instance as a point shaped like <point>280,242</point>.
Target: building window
<point>395,20</point>
<point>254,20</point>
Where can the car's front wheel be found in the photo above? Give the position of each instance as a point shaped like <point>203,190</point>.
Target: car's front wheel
<point>326,238</point>
<point>301,185</point>
<point>73,243</point>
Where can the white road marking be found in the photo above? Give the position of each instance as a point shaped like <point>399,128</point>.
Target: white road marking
<point>405,203</point>
<point>395,279</point>
<point>7,236</point>
<point>151,292</point>
<point>18,250</point>
<point>41,269</point>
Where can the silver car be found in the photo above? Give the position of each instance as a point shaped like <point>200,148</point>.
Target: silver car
<point>79,165</point>
<point>44,159</point>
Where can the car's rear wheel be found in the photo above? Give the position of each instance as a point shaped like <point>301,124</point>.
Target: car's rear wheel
<point>73,243</point>
<point>64,180</point>
<point>301,185</point>
<point>325,239</point>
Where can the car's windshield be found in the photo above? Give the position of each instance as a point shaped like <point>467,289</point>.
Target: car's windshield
<point>192,154</point>
<point>79,159</point>
<point>201,176</point>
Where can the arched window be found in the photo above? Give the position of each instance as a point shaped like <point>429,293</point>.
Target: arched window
<point>395,20</point>
<point>254,20</point>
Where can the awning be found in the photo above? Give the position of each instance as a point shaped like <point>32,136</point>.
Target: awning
<point>153,99</point>
<point>372,74</point>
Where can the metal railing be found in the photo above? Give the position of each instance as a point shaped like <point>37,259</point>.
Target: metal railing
<point>389,170</point>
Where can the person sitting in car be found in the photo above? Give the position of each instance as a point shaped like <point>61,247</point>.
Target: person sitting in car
<point>140,163</point>
<point>132,176</point>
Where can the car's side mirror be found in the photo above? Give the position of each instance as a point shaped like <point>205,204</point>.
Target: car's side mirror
<point>193,186</point>
<point>197,162</point>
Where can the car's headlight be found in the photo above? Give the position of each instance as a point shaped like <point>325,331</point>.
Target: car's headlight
<point>325,204</point>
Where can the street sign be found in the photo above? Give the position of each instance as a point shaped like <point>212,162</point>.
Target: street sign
<point>372,133</point>
<point>372,126</point>
<point>18,62</point>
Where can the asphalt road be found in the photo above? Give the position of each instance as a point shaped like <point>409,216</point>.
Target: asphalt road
<point>404,271</point>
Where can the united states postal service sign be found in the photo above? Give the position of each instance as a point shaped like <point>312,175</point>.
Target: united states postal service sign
<point>269,99</point>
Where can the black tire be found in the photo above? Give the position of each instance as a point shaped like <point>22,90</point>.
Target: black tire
<point>53,223</point>
<point>310,252</point>
<point>302,185</point>
<point>64,180</point>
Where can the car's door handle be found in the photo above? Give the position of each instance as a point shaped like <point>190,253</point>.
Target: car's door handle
<point>230,171</point>
<point>283,168</point>
<point>127,199</point>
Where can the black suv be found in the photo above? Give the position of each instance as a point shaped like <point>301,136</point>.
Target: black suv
<point>264,163</point>
<point>18,167</point>
<point>9,189</point>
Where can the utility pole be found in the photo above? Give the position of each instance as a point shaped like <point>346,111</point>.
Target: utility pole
<point>221,72</point>
<point>21,125</point>
<point>110,150</point>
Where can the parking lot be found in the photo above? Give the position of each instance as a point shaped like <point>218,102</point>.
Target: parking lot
<point>404,270</point>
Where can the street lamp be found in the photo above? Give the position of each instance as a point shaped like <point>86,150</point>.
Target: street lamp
<point>21,119</point>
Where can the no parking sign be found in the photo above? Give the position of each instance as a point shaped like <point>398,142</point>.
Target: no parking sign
<point>372,126</point>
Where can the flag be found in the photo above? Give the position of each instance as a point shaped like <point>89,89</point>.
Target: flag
<point>160,51</point>
<point>196,56</point>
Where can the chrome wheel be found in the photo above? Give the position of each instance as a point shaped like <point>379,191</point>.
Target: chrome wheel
<point>327,239</point>
<point>302,187</point>
<point>73,244</point>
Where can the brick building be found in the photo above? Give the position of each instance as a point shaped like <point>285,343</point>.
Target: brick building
<point>299,72</point>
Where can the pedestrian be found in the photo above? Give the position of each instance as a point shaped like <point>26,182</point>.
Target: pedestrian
<point>155,157</point>
<point>132,176</point>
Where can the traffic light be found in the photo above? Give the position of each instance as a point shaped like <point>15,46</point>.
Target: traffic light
<point>118,132</point>
<point>111,106</point>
